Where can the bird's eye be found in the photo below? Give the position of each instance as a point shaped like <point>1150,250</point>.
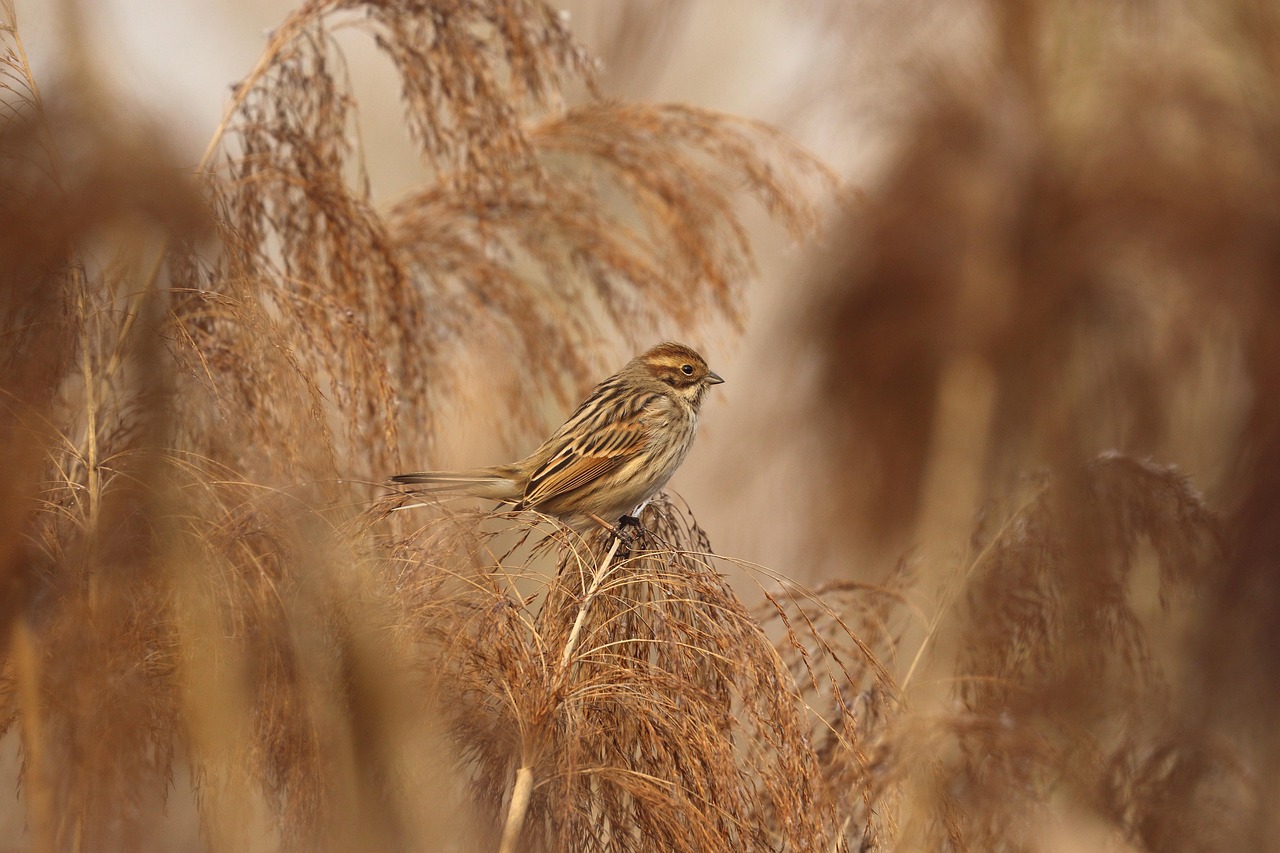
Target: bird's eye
<point>686,369</point>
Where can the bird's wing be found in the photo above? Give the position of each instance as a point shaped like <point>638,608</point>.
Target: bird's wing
<point>585,459</point>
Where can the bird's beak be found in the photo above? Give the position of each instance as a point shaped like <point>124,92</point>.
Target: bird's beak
<point>713,378</point>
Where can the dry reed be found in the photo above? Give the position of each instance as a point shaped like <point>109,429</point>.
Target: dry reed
<point>1059,290</point>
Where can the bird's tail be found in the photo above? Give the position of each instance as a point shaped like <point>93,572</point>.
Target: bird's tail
<point>495,483</point>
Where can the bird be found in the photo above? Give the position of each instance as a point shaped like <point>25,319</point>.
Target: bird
<point>615,452</point>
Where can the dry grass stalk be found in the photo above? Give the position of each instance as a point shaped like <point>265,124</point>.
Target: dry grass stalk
<point>635,701</point>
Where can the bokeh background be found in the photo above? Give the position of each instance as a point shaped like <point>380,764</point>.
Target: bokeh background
<point>1010,407</point>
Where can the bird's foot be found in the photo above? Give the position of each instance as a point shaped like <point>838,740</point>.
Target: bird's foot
<point>629,530</point>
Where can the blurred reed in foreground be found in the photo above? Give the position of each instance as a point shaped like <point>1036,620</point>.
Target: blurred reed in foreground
<point>1056,305</point>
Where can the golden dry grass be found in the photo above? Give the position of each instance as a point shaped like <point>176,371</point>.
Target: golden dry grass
<point>213,613</point>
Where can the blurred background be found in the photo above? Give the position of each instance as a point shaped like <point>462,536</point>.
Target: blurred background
<point>1022,379</point>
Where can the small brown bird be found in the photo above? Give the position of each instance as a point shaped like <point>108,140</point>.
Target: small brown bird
<point>614,453</point>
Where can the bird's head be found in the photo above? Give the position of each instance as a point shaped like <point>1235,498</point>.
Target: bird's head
<point>681,368</point>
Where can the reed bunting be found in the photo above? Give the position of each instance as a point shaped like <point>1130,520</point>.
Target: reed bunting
<point>614,453</point>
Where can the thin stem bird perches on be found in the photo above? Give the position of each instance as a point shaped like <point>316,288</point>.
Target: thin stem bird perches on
<point>522,789</point>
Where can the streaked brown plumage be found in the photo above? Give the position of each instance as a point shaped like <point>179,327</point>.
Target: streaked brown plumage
<point>614,453</point>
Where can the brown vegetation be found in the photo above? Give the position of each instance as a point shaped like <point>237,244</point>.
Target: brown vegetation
<point>213,612</point>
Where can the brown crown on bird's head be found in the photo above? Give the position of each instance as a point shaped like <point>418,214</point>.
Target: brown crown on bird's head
<point>679,366</point>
